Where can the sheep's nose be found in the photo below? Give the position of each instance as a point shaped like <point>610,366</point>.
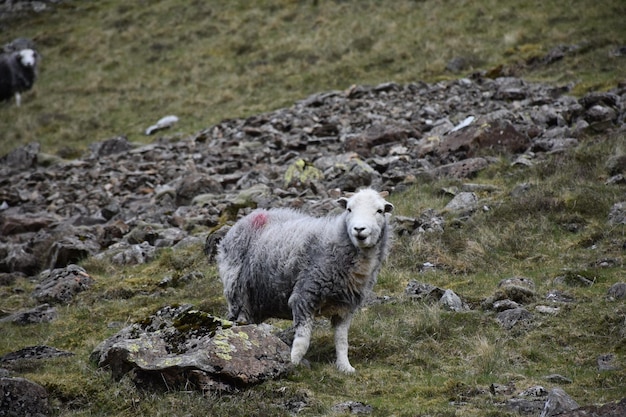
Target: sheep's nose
<point>359,233</point>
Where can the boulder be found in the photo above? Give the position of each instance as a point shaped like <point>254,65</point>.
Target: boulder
<point>21,397</point>
<point>511,318</point>
<point>41,314</point>
<point>62,284</point>
<point>181,345</point>
<point>557,403</point>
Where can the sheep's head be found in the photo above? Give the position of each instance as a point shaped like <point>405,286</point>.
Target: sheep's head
<point>27,57</point>
<point>366,216</point>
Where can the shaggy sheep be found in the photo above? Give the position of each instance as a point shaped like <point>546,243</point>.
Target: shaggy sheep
<point>18,71</point>
<point>284,264</point>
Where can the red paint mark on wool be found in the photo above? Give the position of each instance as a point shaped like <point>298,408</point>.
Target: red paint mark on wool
<point>259,220</point>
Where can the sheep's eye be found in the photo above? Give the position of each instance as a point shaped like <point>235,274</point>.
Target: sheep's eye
<point>349,210</point>
<point>379,211</point>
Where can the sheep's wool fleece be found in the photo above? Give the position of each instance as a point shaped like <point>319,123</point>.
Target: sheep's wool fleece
<point>270,256</point>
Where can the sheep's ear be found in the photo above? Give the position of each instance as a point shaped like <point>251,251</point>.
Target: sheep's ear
<point>384,194</point>
<point>388,208</point>
<point>343,202</point>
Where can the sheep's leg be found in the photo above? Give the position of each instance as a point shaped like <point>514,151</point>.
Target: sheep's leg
<point>301,340</point>
<point>342,325</point>
<point>18,99</point>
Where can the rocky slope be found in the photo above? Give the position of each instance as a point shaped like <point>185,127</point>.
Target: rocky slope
<point>125,200</point>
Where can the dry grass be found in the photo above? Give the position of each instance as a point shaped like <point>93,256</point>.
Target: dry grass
<point>113,67</point>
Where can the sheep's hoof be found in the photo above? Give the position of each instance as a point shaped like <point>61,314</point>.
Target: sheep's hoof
<point>305,363</point>
<point>346,368</point>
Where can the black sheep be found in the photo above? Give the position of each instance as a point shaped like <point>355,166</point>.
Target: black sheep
<point>18,71</point>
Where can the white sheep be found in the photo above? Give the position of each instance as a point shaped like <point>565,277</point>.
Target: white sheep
<point>285,264</point>
<point>18,71</point>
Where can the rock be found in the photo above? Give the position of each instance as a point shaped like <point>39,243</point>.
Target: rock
<point>34,352</point>
<point>501,305</point>
<point>195,184</point>
<point>123,253</point>
<point>463,203</point>
<point>557,296</point>
<point>450,301</point>
<point>302,174</point>
<point>61,284</point>
<point>518,289</point>
<point>180,345</point>
<point>547,310</point>
<point>467,168</point>
<point>72,249</point>
<point>376,135</point>
<point>511,318</point>
<point>19,258</point>
<point>21,397</point>
<point>12,224</point>
<point>615,409</point>
<point>421,291</point>
<point>212,240</point>
<point>352,407</point>
<point>607,362</point>
<point>617,215</point>
<point>111,146</point>
<point>574,279</point>
<point>22,158</point>
<point>496,136</point>
<point>616,165</point>
<point>40,314</point>
<point>617,291</point>
<point>525,406</point>
<point>558,379</point>
<point>557,403</point>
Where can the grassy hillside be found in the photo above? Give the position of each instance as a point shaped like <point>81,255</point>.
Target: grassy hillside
<point>413,359</point>
<point>114,67</point>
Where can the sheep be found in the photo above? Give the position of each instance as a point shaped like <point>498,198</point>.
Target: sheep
<point>285,264</point>
<point>18,71</point>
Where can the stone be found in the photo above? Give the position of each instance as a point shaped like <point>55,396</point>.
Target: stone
<point>34,353</point>
<point>21,397</point>
<point>511,318</point>
<point>450,301</point>
<point>59,286</point>
<point>22,158</point>
<point>111,146</point>
<point>463,203</point>
<point>617,291</point>
<point>195,184</point>
<point>557,403</point>
<point>71,249</point>
<point>617,215</point>
<point>123,253</point>
<point>607,362</point>
<point>43,313</point>
<point>518,289</point>
<point>422,291</point>
<point>352,407</point>
<point>466,168</point>
<point>181,345</point>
